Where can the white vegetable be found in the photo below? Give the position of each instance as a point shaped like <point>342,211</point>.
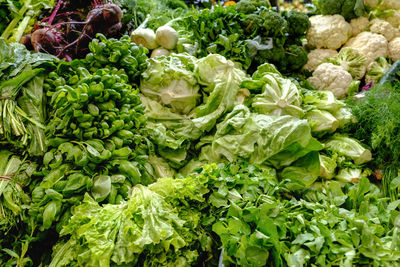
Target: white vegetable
<point>382,27</point>
<point>328,76</point>
<point>371,45</point>
<point>394,19</point>
<point>158,52</point>
<point>328,31</point>
<point>371,3</point>
<point>318,56</point>
<point>327,167</point>
<point>390,4</point>
<point>394,49</point>
<point>350,175</point>
<point>145,37</point>
<point>359,25</point>
<point>167,37</point>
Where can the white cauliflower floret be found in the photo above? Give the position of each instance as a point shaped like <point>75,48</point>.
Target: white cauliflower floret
<point>371,3</point>
<point>328,76</point>
<point>328,31</point>
<point>382,27</point>
<point>371,45</point>
<point>394,49</point>
<point>394,19</point>
<point>318,56</point>
<point>396,33</point>
<point>390,4</point>
<point>359,25</point>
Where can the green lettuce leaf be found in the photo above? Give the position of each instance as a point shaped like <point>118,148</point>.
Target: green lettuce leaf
<point>259,138</point>
<point>223,84</point>
<point>171,81</point>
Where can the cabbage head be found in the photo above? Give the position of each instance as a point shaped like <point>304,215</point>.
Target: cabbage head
<point>170,80</point>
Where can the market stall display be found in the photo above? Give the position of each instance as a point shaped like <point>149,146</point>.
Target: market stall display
<point>199,133</point>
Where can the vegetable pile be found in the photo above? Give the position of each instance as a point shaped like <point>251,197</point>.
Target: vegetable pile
<point>193,133</point>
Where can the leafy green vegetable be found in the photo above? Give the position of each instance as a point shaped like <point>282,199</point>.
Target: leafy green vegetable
<point>15,174</point>
<point>259,138</point>
<point>94,131</point>
<point>171,81</point>
<point>241,208</point>
<point>222,79</point>
<point>22,99</point>
<point>321,121</point>
<point>279,96</point>
<point>378,126</point>
<point>23,14</point>
<point>349,9</point>
<point>348,147</point>
<point>328,166</point>
<point>158,12</point>
<point>133,232</point>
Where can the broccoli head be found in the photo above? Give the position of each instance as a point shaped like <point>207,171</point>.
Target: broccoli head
<point>349,9</point>
<point>298,22</point>
<point>251,23</point>
<point>250,6</point>
<point>275,55</point>
<point>274,24</point>
<point>296,58</point>
<point>246,7</point>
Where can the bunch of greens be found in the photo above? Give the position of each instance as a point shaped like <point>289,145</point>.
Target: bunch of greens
<point>378,126</point>
<point>19,16</point>
<point>158,12</point>
<point>168,223</point>
<point>349,228</point>
<point>242,209</point>
<point>250,34</point>
<point>22,103</point>
<point>15,174</point>
<point>94,131</point>
<point>146,230</point>
<point>349,9</point>
<point>175,133</point>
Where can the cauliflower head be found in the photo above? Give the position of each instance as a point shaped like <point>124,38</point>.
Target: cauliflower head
<point>318,56</point>
<point>352,61</point>
<point>394,19</point>
<point>383,27</point>
<point>359,25</point>
<point>394,49</point>
<point>371,45</point>
<point>371,3</point>
<point>328,76</point>
<point>390,4</point>
<point>328,31</point>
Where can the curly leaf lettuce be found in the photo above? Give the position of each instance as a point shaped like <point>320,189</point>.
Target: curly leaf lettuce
<point>143,230</point>
<point>279,96</point>
<point>170,80</point>
<point>278,140</point>
<point>223,80</point>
